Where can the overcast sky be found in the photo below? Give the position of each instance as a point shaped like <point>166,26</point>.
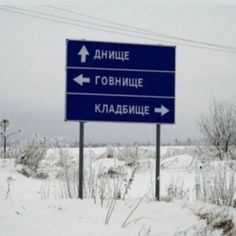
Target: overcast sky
<point>32,65</point>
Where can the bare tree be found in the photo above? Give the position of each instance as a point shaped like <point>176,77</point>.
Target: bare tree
<point>218,126</point>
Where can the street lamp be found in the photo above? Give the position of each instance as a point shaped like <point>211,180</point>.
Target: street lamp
<point>4,124</point>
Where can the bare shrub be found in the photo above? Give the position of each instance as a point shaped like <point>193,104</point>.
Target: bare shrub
<point>89,176</point>
<point>45,190</point>
<point>128,182</point>
<point>129,154</point>
<point>107,181</point>
<point>113,199</point>
<point>33,152</point>
<point>110,210</point>
<point>68,176</point>
<point>217,186</point>
<point>217,219</point>
<point>99,186</point>
<point>175,189</point>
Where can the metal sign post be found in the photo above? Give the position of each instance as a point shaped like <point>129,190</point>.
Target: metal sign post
<point>158,156</point>
<point>81,159</point>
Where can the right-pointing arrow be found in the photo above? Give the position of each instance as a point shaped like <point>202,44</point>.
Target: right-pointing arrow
<point>163,110</point>
<point>81,79</point>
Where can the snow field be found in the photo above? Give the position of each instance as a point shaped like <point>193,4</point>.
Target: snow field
<point>31,206</point>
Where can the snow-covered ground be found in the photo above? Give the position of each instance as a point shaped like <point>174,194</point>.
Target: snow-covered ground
<point>40,207</point>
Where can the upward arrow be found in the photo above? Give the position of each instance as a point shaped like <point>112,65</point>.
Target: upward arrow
<point>83,54</point>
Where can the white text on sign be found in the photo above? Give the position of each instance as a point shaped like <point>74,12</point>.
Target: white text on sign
<point>111,55</point>
<point>122,109</point>
<point>119,81</point>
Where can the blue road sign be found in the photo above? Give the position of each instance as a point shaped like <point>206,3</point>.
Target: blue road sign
<point>120,82</point>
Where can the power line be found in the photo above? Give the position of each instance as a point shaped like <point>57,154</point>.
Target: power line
<point>77,25</point>
<point>54,20</point>
<point>135,30</point>
<point>138,29</point>
<point>99,19</point>
<point>65,18</point>
<point>50,17</point>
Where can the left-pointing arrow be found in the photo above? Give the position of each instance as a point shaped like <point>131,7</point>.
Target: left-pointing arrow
<point>162,110</point>
<point>81,79</point>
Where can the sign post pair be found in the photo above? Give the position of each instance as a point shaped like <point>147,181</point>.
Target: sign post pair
<point>120,82</point>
